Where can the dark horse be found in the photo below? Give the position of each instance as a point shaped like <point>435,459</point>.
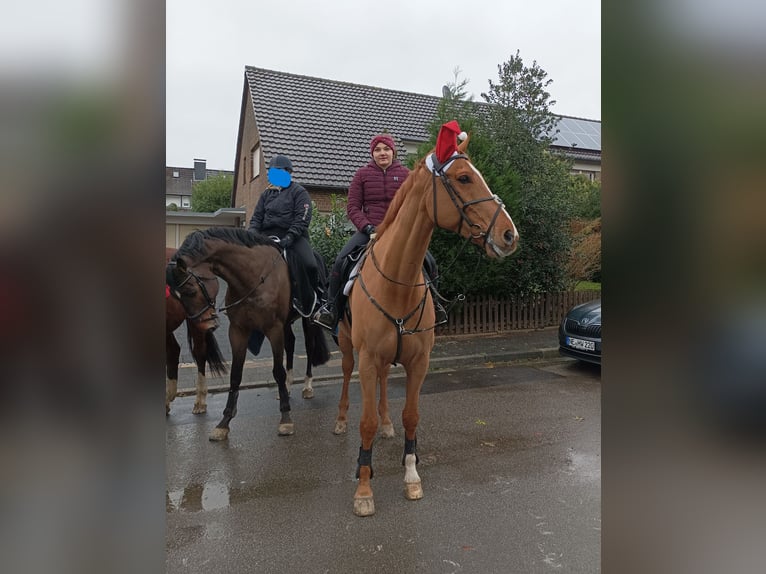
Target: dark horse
<point>202,343</point>
<point>316,346</point>
<point>257,299</point>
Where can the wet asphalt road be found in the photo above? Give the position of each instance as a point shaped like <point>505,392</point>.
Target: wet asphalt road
<point>509,459</point>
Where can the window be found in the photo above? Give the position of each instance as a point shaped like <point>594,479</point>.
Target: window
<point>255,158</point>
<point>185,202</point>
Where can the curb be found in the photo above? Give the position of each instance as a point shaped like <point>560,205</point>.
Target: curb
<point>436,364</point>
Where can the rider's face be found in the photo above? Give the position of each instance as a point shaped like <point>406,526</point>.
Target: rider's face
<point>383,155</point>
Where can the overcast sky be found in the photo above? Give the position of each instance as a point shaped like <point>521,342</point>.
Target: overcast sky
<point>409,45</point>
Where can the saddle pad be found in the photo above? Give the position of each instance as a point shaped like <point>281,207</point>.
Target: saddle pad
<point>352,277</point>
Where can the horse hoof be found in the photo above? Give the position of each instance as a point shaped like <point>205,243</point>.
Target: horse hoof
<point>364,506</point>
<point>219,434</point>
<point>341,427</point>
<point>199,409</point>
<point>286,429</point>
<point>413,491</point>
<point>387,431</point>
<point>308,393</point>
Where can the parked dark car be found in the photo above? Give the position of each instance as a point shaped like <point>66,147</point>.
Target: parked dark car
<point>580,332</point>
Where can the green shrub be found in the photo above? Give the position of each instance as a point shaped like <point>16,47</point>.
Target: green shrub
<point>329,232</point>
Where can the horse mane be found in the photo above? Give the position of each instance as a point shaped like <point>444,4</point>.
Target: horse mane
<point>399,197</point>
<point>194,244</point>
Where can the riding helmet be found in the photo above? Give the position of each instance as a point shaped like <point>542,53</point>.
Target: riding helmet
<point>282,162</point>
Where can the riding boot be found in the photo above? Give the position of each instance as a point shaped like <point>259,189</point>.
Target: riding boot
<point>327,316</point>
<point>321,298</point>
<point>440,312</point>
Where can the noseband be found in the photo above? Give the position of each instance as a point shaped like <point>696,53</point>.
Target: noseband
<point>208,299</point>
<point>459,203</point>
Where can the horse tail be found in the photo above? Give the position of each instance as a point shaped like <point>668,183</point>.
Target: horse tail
<point>213,355</point>
<point>316,344</point>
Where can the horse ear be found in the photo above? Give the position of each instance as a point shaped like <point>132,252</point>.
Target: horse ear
<point>463,145</point>
<point>170,269</point>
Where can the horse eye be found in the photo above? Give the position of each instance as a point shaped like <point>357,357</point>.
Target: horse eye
<point>464,179</point>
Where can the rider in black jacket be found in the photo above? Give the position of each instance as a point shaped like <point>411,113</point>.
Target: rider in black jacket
<point>284,211</point>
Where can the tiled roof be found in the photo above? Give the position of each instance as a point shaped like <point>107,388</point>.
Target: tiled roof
<point>325,126</point>
<point>182,185</point>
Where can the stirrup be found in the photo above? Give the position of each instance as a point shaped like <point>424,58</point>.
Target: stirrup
<point>325,318</point>
<point>440,315</point>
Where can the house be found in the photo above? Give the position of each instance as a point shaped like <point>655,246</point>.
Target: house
<point>179,182</point>
<point>325,127</point>
<point>180,222</point>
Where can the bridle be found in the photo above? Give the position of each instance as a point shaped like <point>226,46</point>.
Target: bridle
<point>460,204</point>
<point>210,303</point>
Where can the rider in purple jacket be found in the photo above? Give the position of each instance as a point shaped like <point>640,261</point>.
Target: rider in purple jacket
<point>371,191</point>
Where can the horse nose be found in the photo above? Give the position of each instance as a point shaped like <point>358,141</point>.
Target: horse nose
<point>511,237</point>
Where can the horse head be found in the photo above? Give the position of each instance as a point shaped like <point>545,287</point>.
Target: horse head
<point>190,288</point>
<point>463,203</point>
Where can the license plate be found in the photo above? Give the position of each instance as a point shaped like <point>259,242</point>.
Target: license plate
<point>580,344</point>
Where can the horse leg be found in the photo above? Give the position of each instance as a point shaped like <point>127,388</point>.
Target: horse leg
<point>172,355</point>
<point>416,373</point>
<point>308,390</point>
<point>364,504</point>
<point>386,426</point>
<point>290,354</point>
<point>238,342</point>
<point>347,364</point>
<point>199,351</point>
<point>276,338</point>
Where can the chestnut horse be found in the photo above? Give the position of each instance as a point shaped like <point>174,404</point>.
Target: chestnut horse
<point>257,299</point>
<point>392,315</point>
<point>199,340</point>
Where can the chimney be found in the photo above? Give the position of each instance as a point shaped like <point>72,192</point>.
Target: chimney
<point>200,170</point>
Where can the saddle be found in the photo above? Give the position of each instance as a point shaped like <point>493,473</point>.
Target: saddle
<point>304,293</point>
<point>348,272</point>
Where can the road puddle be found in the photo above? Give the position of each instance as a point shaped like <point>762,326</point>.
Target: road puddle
<point>195,498</point>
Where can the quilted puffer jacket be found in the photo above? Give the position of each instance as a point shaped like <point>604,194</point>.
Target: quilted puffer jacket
<point>371,190</point>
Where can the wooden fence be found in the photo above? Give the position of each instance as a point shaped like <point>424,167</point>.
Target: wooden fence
<point>477,315</point>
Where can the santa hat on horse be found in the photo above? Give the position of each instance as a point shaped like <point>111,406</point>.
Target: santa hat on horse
<point>446,145</point>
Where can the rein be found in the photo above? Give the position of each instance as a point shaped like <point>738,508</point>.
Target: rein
<point>375,261</point>
<point>249,293</point>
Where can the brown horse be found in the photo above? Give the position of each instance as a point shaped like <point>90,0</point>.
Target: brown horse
<point>257,300</point>
<point>392,316</point>
<point>199,339</point>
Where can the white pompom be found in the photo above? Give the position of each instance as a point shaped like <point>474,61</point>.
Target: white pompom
<point>462,135</point>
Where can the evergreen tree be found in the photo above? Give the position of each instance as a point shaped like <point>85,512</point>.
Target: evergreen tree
<point>510,138</point>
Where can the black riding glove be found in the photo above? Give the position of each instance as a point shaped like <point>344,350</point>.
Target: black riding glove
<point>369,229</point>
<point>287,240</point>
